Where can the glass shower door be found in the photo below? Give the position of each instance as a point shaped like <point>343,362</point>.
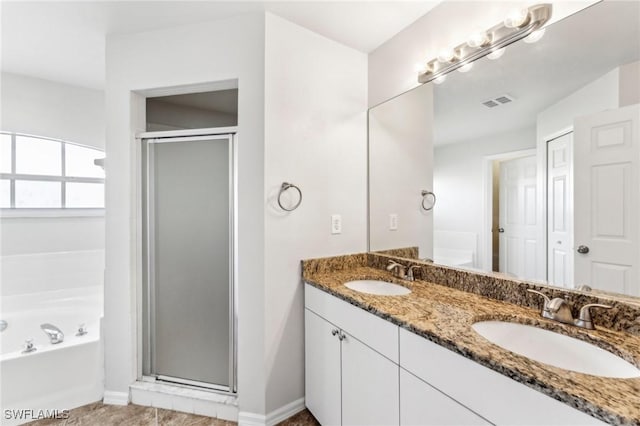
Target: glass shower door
<point>189,209</point>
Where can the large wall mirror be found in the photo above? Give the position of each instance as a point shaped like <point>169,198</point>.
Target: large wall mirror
<point>534,159</point>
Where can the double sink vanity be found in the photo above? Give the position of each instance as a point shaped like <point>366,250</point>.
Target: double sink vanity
<point>393,340</point>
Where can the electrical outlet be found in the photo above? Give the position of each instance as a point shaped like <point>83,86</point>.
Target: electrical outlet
<point>393,222</point>
<point>336,224</point>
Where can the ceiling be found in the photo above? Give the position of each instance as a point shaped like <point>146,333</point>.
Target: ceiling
<point>65,41</point>
<point>572,53</point>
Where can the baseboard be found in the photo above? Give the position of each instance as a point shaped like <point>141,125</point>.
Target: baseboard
<point>251,419</point>
<point>115,398</point>
<point>284,412</point>
<point>274,417</point>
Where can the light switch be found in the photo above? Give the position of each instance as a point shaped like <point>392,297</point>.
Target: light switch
<point>336,224</point>
<point>393,222</point>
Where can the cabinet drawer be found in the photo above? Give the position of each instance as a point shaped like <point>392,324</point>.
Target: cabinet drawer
<point>495,397</point>
<point>375,332</point>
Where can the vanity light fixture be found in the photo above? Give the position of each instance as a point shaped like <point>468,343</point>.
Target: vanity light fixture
<point>534,36</point>
<point>516,18</point>
<point>446,56</point>
<point>440,79</point>
<point>496,53</point>
<point>494,41</point>
<point>466,67</point>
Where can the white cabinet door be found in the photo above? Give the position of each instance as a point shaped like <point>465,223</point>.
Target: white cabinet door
<point>423,405</point>
<point>369,386</point>
<point>322,369</point>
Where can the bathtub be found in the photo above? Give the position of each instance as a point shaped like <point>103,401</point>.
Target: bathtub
<point>54,377</point>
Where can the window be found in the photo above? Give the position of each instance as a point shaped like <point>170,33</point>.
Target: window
<point>42,173</point>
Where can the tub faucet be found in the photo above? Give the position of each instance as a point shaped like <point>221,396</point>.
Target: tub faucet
<point>3,325</point>
<point>54,333</point>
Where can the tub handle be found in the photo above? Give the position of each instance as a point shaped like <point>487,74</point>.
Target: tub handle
<point>29,346</point>
<point>82,329</point>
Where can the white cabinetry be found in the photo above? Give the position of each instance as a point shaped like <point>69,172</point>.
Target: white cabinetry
<point>363,370</point>
<point>322,369</point>
<point>348,380</point>
<point>498,399</point>
<point>423,405</point>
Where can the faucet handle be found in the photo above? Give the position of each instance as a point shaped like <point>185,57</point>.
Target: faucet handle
<point>410,275</point>
<point>584,319</point>
<point>546,298</point>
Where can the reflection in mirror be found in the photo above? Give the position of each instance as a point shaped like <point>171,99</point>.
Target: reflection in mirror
<point>537,157</point>
<point>400,140</point>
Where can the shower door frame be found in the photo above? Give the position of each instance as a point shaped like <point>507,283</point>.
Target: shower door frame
<point>148,320</point>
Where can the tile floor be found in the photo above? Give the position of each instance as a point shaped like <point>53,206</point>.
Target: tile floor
<point>98,414</point>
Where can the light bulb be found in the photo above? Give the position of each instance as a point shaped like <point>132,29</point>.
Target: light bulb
<point>440,79</point>
<point>477,39</point>
<point>466,67</point>
<point>446,55</point>
<point>516,18</point>
<point>496,54</point>
<point>534,36</point>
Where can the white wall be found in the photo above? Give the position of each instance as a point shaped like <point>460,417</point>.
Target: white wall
<point>315,137</point>
<point>392,66</point>
<point>400,168</point>
<point>209,52</point>
<point>46,108</point>
<point>459,180</point>
<point>596,96</point>
<point>629,92</point>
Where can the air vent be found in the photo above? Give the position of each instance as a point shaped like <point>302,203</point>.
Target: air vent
<point>497,101</point>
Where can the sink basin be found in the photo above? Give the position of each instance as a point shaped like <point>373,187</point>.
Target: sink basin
<point>380,288</point>
<point>555,349</point>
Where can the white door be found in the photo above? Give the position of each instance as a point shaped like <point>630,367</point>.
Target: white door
<point>518,221</point>
<point>370,386</point>
<point>560,211</point>
<point>607,193</point>
<point>322,369</point>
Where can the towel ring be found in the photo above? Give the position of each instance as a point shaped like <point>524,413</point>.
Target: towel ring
<point>284,187</point>
<point>426,194</point>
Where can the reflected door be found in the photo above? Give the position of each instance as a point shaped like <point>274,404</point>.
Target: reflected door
<point>607,200</point>
<point>518,238</point>
<point>189,202</point>
<point>560,211</point>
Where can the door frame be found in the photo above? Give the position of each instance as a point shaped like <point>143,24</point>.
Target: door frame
<point>486,240</point>
<point>146,360</point>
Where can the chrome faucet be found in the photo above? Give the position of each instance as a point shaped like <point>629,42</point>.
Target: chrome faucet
<point>397,269</point>
<point>558,309</point>
<point>584,319</point>
<point>410,274</point>
<point>55,334</point>
<point>29,346</point>
<point>3,325</point>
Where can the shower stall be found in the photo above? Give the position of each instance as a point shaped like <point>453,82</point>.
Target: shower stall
<point>188,209</point>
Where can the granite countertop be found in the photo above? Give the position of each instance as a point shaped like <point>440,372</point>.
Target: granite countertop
<point>444,315</point>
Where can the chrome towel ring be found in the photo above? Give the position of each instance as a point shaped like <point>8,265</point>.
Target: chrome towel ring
<point>283,188</point>
<point>425,195</point>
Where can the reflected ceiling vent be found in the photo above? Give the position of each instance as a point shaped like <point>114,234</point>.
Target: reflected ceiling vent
<point>500,100</point>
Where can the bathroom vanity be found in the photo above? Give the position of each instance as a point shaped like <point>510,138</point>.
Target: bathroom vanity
<point>415,358</point>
